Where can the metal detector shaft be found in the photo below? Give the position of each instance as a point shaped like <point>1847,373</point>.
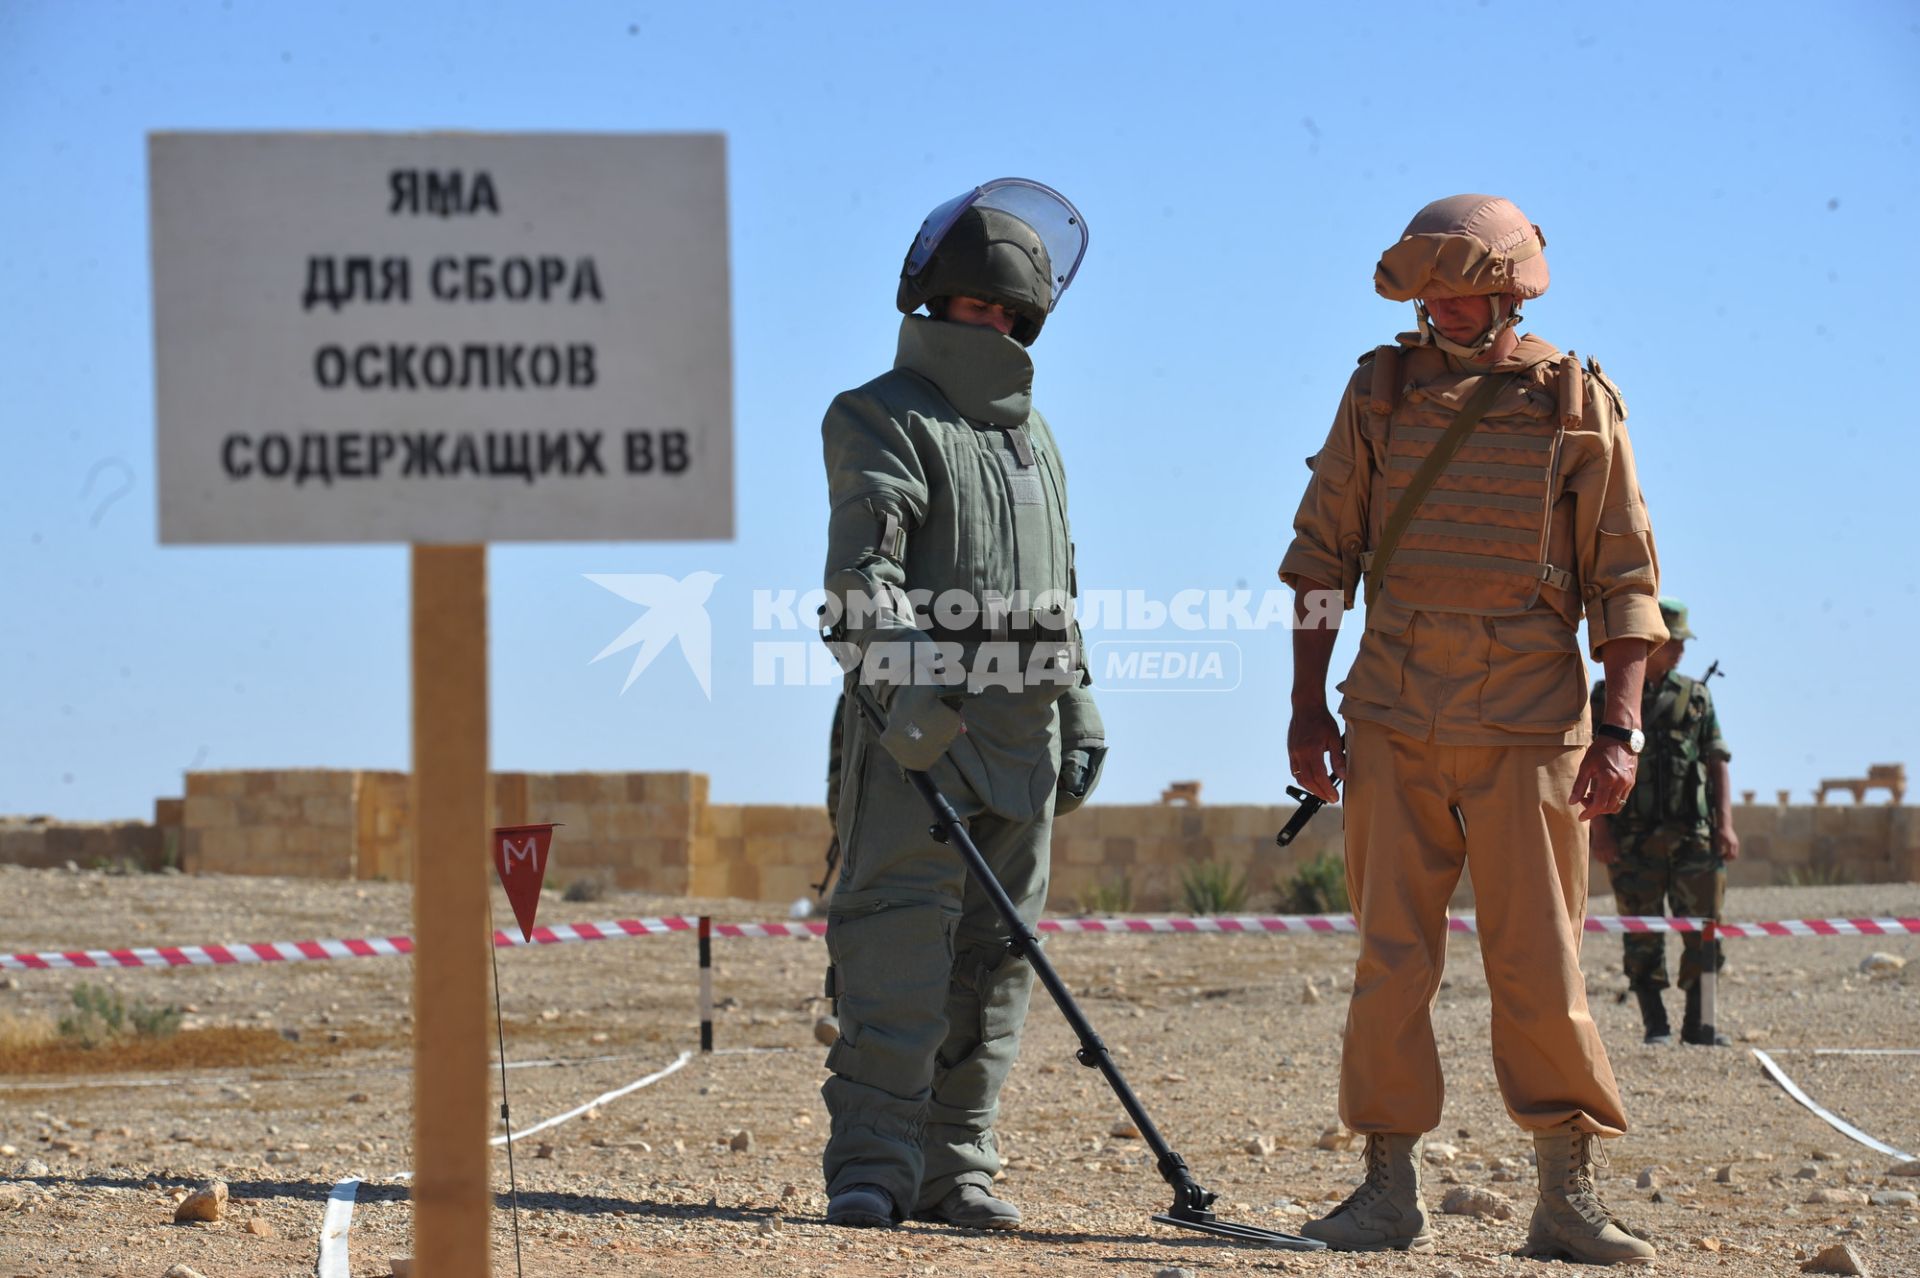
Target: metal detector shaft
<point>1191,1202</point>
<point>949,829</point>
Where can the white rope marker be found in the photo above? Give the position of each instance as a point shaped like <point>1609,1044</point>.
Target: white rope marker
<point>338,1220</point>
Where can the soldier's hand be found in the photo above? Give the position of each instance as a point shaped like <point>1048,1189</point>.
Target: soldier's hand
<point>1605,778</point>
<point>1727,844</point>
<point>1605,850</point>
<point>1313,743</point>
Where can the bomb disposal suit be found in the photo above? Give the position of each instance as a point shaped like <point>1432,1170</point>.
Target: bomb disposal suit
<point>1466,708</point>
<point>950,568</point>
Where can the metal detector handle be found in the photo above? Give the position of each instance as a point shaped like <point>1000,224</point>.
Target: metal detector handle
<point>1309,805</point>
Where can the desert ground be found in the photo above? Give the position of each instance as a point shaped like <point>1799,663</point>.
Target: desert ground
<point>287,1078</point>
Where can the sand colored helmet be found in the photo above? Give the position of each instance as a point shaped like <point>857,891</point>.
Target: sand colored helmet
<point>1010,241</point>
<point>1466,246</point>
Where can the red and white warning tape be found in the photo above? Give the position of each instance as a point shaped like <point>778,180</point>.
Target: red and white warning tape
<point>560,934</point>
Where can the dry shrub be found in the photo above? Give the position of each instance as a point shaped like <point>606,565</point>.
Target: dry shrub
<point>25,1033</point>
<point>218,1047</point>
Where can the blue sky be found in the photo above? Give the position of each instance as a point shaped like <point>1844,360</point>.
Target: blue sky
<point>1728,193</point>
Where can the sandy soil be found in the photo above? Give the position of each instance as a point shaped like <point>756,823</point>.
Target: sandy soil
<point>1220,1035</point>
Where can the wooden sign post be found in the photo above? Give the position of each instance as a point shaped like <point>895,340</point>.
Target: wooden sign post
<point>443,340</point>
<point>450,877</point>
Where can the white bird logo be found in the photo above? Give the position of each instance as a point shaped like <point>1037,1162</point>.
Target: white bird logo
<point>674,610</point>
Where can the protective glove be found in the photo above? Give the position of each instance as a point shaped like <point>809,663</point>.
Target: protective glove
<point>1083,750</point>
<point>920,725</point>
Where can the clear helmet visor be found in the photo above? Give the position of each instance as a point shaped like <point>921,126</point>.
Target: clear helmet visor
<point>1050,214</point>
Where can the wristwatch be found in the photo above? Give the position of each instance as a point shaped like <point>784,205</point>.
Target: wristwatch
<point>1636,740</point>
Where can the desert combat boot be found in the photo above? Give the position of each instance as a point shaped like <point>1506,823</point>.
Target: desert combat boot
<point>1570,1222</point>
<point>1385,1212</point>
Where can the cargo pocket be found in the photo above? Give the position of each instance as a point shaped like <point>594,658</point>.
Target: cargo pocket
<point>853,801</point>
<point>1536,681</point>
<point>1380,668</point>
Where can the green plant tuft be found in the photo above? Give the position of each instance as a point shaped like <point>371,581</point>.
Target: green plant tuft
<point>1115,896</point>
<point>1213,887</point>
<point>1811,876</point>
<point>585,890</point>
<point>101,1015</point>
<point>1319,886</point>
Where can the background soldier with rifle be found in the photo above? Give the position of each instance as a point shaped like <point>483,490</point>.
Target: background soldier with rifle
<point>1673,839</point>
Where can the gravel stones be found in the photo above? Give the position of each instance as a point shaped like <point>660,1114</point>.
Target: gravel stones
<point>1838,1197</point>
<point>1335,1138</point>
<point>1471,1200</point>
<point>1882,966</point>
<point>207,1203</point>
<point>1837,1259</point>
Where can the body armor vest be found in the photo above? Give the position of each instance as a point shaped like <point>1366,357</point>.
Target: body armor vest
<point>1478,542</point>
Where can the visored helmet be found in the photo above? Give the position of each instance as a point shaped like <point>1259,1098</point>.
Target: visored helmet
<point>1010,241</point>
<point>1466,246</point>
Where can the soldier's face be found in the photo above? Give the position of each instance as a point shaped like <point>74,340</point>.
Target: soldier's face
<point>971,310</point>
<point>1460,319</point>
<point>1666,658</point>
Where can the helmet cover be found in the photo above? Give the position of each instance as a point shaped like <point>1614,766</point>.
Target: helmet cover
<point>1465,246</point>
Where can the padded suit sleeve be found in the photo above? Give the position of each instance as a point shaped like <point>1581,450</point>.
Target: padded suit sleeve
<point>877,488</point>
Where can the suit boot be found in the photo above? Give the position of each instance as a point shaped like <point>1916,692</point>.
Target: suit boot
<point>1384,1213</point>
<point>1570,1222</point>
<point>1653,1015</point>
<point>1692,1031</point>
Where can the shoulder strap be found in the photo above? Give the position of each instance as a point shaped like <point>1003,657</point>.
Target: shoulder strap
<point>1423,479</point>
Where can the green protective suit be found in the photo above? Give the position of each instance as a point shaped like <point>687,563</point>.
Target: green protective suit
<point>942,478</point>
<point>1665,831</point>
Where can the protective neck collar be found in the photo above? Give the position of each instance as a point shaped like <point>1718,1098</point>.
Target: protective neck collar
<point>985,374</point>
<point>1505,316</point>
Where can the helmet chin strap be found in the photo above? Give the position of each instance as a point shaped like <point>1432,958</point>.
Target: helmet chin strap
<point>1505,316</point>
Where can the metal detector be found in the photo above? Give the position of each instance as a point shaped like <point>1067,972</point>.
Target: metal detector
<point>1191,1203</point>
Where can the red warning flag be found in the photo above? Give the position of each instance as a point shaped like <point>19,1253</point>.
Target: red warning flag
<point>520,859</point>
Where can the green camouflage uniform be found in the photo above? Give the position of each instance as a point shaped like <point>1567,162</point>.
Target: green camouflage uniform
<point>1664,833</point>
<point>942,477</point>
